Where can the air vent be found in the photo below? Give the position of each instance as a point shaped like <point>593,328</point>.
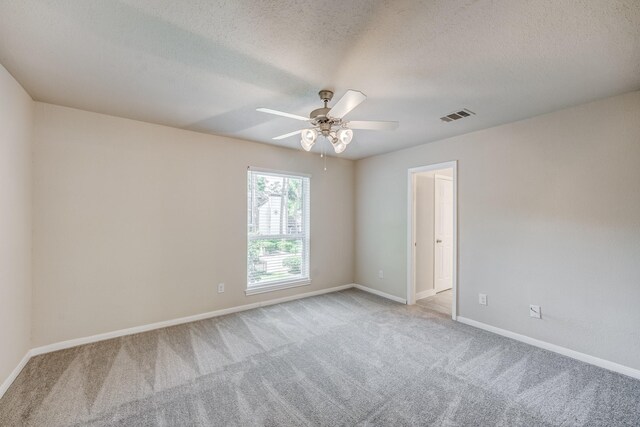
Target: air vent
<point>457,115</point>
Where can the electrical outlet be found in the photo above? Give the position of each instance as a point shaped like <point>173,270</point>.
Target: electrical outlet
<point>482,299</point>
<point>534,311</point>
<point>381,274</point>
<point>220,288</point>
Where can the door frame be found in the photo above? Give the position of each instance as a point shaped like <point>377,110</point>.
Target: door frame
<point>411,228</point>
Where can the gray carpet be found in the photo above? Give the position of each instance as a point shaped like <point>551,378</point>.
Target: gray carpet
<point>348,358</point>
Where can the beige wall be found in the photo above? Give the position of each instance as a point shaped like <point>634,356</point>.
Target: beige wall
<point>16,116</point>
<point>549,214</point>
<point>136,223</point>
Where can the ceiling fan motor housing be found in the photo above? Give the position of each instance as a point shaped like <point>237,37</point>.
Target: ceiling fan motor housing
<point>325,127</point>
<point>320,114</point>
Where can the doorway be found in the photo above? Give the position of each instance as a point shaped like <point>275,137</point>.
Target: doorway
<point>432,243</point>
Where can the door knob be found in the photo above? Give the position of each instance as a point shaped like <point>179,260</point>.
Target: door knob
<point>438,241</point>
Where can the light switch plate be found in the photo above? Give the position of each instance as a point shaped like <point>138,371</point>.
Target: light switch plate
<point>220,288</point>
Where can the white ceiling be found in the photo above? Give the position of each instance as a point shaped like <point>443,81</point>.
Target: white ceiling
<point>207,66</point>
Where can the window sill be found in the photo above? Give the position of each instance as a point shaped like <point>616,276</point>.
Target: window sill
<point>276,287</point>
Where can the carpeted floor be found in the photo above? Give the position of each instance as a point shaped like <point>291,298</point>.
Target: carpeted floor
<point>345,358</point>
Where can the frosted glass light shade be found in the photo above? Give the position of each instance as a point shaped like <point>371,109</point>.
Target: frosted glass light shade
<point>345,136</point>
<point>306,145</point>
<point>309,136</point>
<point>339,147</point>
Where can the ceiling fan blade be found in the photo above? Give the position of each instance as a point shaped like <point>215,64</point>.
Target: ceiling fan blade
<point>372,125</point>
<point>348,102</point>
<point>282,113</point>
<point>287,135</point>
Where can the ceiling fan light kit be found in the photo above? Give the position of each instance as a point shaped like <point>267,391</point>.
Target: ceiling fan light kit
<point>339,147</point>
<point>324,120</point>
<point>345,136</point>
<point>308,138</point>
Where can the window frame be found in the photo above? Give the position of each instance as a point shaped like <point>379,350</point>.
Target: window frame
<point>305,236</point>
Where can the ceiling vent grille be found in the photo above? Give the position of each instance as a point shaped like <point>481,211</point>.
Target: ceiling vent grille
<point>457,115</point>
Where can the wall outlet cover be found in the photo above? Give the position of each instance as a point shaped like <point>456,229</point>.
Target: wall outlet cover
<point>482,299</point>
<point>220,288</point>
<point>381,274</point>
<point>534,311</point>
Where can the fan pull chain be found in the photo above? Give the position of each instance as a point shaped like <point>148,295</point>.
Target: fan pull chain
<point>324,157</point>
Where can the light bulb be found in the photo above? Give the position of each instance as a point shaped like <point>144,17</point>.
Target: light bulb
<point>339,147</point>
<point>309,136</point>
<point>306,145</point>
<point>345,136</point>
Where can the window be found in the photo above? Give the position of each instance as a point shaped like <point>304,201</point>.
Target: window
<point>278,230</point>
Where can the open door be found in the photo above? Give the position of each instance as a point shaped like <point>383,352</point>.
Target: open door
<point>433,253</point>
<point>443,233</point>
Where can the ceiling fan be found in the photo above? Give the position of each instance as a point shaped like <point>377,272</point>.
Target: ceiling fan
<point>330,122</point>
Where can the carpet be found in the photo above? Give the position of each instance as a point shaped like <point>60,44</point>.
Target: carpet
<point>346,358</point>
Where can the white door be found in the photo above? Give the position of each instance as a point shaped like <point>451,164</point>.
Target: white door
<point>443,250</point>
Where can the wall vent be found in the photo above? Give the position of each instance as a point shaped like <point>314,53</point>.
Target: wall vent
<point>457,115</point>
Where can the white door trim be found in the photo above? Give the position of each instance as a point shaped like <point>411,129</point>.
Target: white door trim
<point>411,253</point>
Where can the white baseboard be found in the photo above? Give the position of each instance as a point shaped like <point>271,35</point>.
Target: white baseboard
<point>592,360</point>
<point>380,294</point>
<point>14,374</point>
<point>149,327</point>
<point>612,366</point>
<point>137,329</point>
<point>425,294</point>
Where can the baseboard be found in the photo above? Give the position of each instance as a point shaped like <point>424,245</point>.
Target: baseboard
<point>144,328</point>
<point>14,374</point>
<point>592,360</point>
<point>380,293</point>
<point>425,294</point>
<point>158,325</point>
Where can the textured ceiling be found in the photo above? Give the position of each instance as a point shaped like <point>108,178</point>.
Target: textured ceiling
<point>206,66</point>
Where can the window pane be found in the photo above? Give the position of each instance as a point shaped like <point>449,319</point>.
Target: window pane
<point>275,260</point>
<point>294,206</point>
<point>275,205</point>
<point>277,222</point>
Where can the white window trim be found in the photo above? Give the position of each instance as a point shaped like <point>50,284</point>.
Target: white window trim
<point>277,236</point>
<point>278,172</point>
<point>260,289</point>
<point>279,285</point>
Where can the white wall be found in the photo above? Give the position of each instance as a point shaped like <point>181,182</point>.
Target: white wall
<point>136,223</point>
<point>549,214</point>
<point>16,115</point>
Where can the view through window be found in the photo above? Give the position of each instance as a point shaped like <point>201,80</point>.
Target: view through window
<point>278,229</point>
